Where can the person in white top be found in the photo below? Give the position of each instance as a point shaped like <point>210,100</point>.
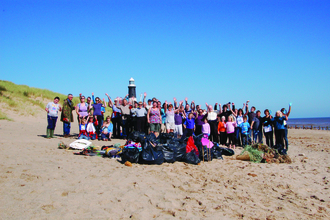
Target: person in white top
<point>52,109</point>
<point>212,117</point>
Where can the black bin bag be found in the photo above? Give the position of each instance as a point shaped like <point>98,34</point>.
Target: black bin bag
<point>131,154</point>
<point>169,153</point>
<point>192,158</point>
<point>136,136</point>
<point>151,153</point>
<point>180,149</point>
<point>227,151</point>
<point>165,138</point>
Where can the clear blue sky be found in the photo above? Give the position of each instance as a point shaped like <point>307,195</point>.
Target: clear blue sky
<point>268,52</point>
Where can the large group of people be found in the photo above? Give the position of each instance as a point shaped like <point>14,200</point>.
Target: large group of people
<point>227,125</point>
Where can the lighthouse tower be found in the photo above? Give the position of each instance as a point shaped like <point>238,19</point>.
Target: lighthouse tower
<point>131,88</point>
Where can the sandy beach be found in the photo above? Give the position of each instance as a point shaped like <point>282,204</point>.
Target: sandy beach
<point>40,181</point>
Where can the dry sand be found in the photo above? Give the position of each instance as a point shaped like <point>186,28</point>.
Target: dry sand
<point>38,180</point>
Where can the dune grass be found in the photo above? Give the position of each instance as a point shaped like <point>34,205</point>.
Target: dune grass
<point>21,99</point>
<point>17,97</point>
<point>3,116</point>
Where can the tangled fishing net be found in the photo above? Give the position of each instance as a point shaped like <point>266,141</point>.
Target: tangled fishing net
<point>259,153</point>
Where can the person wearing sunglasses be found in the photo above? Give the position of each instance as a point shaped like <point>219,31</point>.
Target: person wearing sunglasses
<point>97,114</point>
<point>82,109</point>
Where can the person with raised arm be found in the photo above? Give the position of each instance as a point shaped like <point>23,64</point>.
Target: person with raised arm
<point>225,110</point>
<point>115,117</point>
<point>279,128</point>
<point>179,114</point>
<point>97,114</point>
<point>239,120</point>
<point>283,110</point>
<point>187,107</point>
<point>149,101</point>
<point>251,115</point>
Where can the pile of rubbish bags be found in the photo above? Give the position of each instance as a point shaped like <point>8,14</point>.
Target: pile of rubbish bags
<point>167,148</point>
<point>147,149</point>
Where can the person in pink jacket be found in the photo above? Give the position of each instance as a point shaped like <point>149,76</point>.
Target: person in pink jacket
<point>230,129</point>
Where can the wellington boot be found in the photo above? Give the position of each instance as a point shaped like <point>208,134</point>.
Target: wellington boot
<point>48,133</point>
<point>52,134</point>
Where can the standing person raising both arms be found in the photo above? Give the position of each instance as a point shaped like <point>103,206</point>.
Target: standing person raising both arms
<point>179,114</point>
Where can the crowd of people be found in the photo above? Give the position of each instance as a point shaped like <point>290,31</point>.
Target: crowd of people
<point>224,124</point>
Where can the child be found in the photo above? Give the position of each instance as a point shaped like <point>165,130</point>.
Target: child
<point>82,127</point>
<point>222,131</point>
<point>230,129</point>
<point>90,128</point>
<point>245,130</point>
<point>189,126</point>
<point>206,129</point>
<point>107,130</point>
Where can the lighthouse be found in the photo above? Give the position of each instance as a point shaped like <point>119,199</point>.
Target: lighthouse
<point>131,88</point>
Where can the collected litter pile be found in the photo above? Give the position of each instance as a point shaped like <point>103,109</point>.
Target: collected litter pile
<point>147,149</point>
<point>260,153</point>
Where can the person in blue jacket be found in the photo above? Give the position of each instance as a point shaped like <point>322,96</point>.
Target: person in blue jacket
<point>279,128</point>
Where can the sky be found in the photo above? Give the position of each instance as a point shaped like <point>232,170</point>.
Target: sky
<point>269,52</point>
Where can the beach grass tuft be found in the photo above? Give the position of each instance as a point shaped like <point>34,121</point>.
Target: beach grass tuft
<point>3,116</point>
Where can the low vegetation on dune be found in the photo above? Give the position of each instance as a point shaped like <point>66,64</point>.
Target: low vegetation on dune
<point>27,101</point>
<point>24,100</point>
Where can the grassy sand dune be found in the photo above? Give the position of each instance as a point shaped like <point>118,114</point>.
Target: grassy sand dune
<point>23,100</point>
<point>27,101</point>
